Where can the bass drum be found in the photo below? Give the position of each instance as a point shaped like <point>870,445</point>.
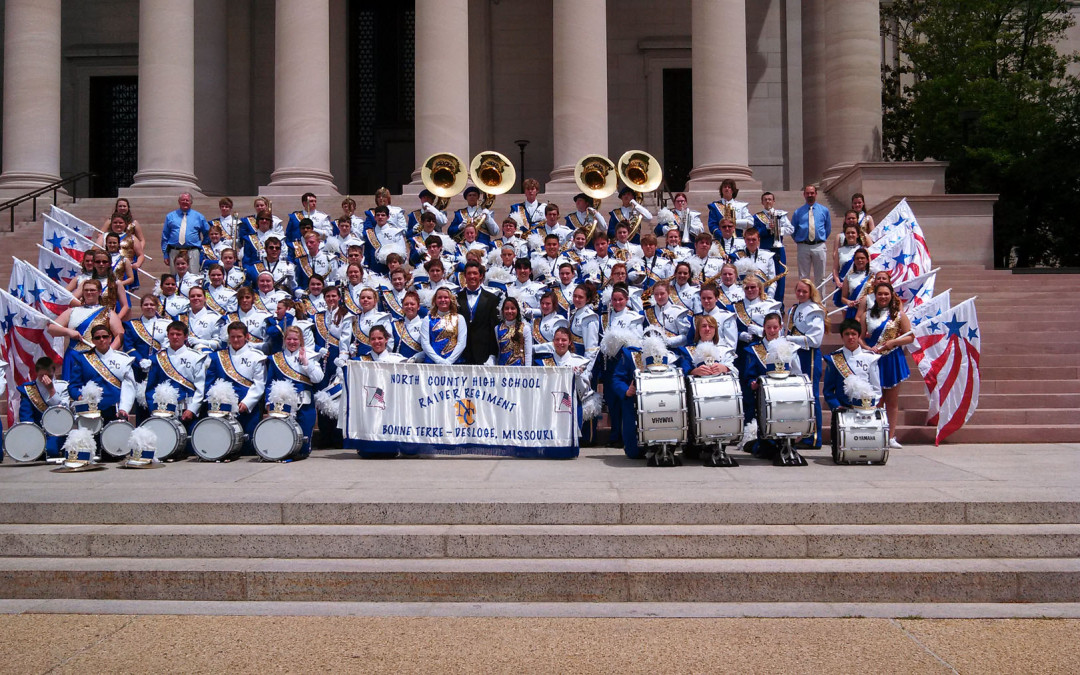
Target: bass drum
<point>217,439</point>
<point>860,436</point>
<point>57,420</point>
<point>716,409</point>
<point>277,439</point>
<point>171,437</point>
<point>114,438</point>
<point>25,442</point>
<point>661,407</point>
<point>786,407</point>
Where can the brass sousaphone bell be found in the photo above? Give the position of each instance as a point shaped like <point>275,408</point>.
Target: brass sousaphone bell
<point>444,175</point>
<point>640,171</point>
<point>493,173</point>
<point>595,176</point>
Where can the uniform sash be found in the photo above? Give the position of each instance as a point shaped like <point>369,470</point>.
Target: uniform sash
<point>35,396</point>
<point>650,317</point>
<point>230,369</point>
<point>324,329</point>
<point>167,367</point>
<point>289,372</point>
<point>839,361</point>
<point>103,370</point>
<point>143,334</point>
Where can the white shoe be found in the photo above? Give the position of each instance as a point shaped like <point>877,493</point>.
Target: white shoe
<point>895,444</point>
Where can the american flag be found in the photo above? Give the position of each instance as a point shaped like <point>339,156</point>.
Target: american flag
<point>24,341</point>
<point>950,366</point>
<point>563,402</point>
<point>376,398</point>
<point>62,239</point>
<point>59,267</point>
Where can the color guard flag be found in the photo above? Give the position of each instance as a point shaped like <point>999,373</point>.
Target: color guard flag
<point>928,311</point>
<point>24,341</point>
<point>62,239</point>
<point>59,267</point>
<point>915,292</point>
<point>899,245</point>
<point>950,366</point>
<point>74,222</point>
<point>36,289</point>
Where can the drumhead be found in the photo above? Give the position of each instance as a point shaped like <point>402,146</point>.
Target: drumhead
<point>167,431</point>
<point>57,420</point>
<point>276,438</point>
<point>114,438</point>
<point>212,438</point>
<point>24,442</point>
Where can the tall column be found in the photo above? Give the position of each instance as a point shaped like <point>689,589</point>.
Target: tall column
<point>301,99</point>
<point>813,90</point>
<point>853,85</point>
<point>31,154</point>
<point>166,97</point>
<point>441,94</point>
<point>718,78</point>
<point>580,99</point>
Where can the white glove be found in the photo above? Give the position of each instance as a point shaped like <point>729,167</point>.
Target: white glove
<point>340,361</point>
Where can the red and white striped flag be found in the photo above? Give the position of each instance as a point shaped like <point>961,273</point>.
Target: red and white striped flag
<point>24,341</point>
<point>36,289</point>
<point>915,292</point>
<point>74,222</point>
<point>60,267</point>
<point>60,238</point>
<point>950,366</point>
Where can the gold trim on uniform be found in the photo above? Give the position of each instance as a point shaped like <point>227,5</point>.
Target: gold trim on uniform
<point>35,397</point>
<point>740,311</point>
<point>650,316</point>
<point>324,330</point>
<point>288,371</point>
<point>841,364</point>
<point>171,372</point>
<point>405,337</point>
<point>230,369</point>
<point>103,370</point>
<point>145,335</point>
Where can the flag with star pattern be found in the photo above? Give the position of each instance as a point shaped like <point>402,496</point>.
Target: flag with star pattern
<point>60,267</point>
<point>24,341</point>
<point>60,238</point>
<point>951,345</point>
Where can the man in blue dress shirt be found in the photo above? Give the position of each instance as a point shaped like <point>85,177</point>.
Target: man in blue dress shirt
<point>185,229</point>
<point>812,228</point>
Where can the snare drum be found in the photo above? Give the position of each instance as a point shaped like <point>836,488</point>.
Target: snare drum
<point>91,423</point>
<point>57,420</point>
<point>114,438</point>
<point>861,436</point>
<point>716,405</point>
<point>216,439</point>
<point>277,439</point>
<point>171,436</point>
<point>661,407</point>
<point>786,407</point>
<point>25,442</point>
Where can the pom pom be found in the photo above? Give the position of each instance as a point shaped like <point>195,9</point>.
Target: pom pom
<point>141,440</point>
<point>616,338</point>
<point>281,394</point>
<point>858,388</point>
<point>494,258</point>
<point>327,404</point>
<point>91,393</point>
<point>780,350</point>
<point>536,241</point>
<point>665,217</point>
<point>157,288</point>
<point>165,395</point>
<point>80,440</point>
<point>745,266</point>
<point>499,275</point>
<point>653,345</point>
<point>222,393</point>
<point>708,352</point>
<point>140,393</point>
<point>591,407</point>
<point>715,251</point>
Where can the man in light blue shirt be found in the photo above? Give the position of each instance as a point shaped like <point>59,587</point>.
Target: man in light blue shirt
<point>812,225</point>
<point>184,229</point>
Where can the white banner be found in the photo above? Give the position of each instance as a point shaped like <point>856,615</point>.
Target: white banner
<point>422,408</point>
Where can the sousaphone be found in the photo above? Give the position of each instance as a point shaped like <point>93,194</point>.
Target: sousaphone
<point>493,173</point>
<point>444,174</point>
<point>640,171</point>
<point>595,176</point>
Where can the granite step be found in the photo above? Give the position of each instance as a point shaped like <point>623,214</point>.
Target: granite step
<point>540,541</point>
<point>994,433</point>
<point>1018,416</point>
<point>999,401</point>
<point>914,385</point>
<point>546,580</point>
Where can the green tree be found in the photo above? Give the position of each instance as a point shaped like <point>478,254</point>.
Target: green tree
<point>981,84</point>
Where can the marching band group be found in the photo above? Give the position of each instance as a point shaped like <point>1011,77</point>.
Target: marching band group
<point>260,299</point>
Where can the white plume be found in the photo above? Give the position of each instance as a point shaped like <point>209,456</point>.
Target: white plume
<point>591,269</point>
<point>385,250</point>
<point>518,218</point>
<point>494,257</point>
<point>140,441</point>
<point>749,433</point>
<point>140,393</point>
<point>536,241</point>
<point>91,393</point>
<point>427,297</point>
<point>592,406</point>
<point>157,288</point>
<point>327,404</point>
<point>695,267</point>
<point>857,388</point>
<point>780,350</point>
<point>165,395</point>
<point>616,338</point>
<point>80,440</point>
<point>664,216</point>
<point>745,266</point>
<point>145,364</point>
<point>499,275</point>
<point>282,393</point>
<point>715,251</point>
<point>708,352</point>
<point>635,265</point>
<point>222,393</point>
<point>653,346</point>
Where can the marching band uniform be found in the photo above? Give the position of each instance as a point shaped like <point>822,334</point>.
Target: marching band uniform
<point>509,354</point>
<point>390,302</point>
<point>657,268</point>
<point>391,236</point>
<point>282,270</point>
<point>230,225</point>
<point>581,367</point>
<point>545,269</point>
<point>444,340</point>
<point>268,301</point>
<point>806,328</point>
<point>633,321</point>
<point>892,366</point>
<point>275,333</point>
<point>763,263</point>
<point>528,297</point>
<point>625,250</point>
<point>564,295</point>
<point>207,330</point>
<point>563,232</point>
<point>750,315</point>
<point>357,341</point>
<point>319,220</point>
<point>754,366</point>
<point>543,330</point>
<point>255,320</point>
<point>285,365</point>
<point>418,254</point>
<point>184,369</point>
<point>34,399</point>
<point>629,214</point>
<point>728,329</point>
<point>585,332</point>
<point>843,364</point>
<point>633,302</point>
<point>729,247</point>
<point>704,269</point>
<point>245,370</point>
<point>773,225</point>
<point>412,223</point>
<point>738,212</point>
<point>397,218</point>
<point>82,319</point>
<point>306,266</point>
<point>729,295</point>
<point>481,217</point>
<point>532,213</point>
<point>113,372</point>
<point>187,282</point>
<point>210,253</point>
<point>676,254</point>
<point>687,222</point>
<point>142,338</point>
<point>407,337</point>
<point>673,320</point>
<point>220,299</point>
<point>386,356</point>
<point>631,359</point>
<point>235,277</point>
<point>686,296</point>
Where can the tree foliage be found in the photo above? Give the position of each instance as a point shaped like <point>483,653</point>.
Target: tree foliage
<point>982,85</point>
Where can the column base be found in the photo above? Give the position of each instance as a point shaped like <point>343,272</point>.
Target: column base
<point>154,183</point>
<point>561,187</point>
<point>294,181</point>
<point>21,182</point>
<point>880,180</point>
<point>707,177</point>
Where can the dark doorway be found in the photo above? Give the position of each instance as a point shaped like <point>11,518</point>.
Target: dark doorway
<point>114,133</point>
<point>381,66</point>
<point>678,128</point>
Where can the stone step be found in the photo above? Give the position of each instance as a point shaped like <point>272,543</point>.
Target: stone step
<point>1017,416</point>
<point>1008,344</point>
<point>999,401</point>
<point>914,385</point>
<point>546,580</point>
<point>540,541</point>
<point>994,433</point>
<point>1037,373</point>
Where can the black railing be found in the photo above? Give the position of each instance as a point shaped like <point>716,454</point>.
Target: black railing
<point>51,187</point>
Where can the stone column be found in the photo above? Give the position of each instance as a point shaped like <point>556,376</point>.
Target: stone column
<point>813,89</point>
<point>721,122</point>
<point>441,81</point>
<point>853,85</point>
<point>301,99</point>
<point>166,98</point>
<point>31,155</point>
<point>580,100</point>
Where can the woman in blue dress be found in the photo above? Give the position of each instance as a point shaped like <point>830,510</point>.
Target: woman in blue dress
<point>444,339</point>
<point>513,337</point>
<point>855,282</point>
<point>885,329</point>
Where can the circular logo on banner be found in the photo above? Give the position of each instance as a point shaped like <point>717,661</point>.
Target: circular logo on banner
<point>466,412</point>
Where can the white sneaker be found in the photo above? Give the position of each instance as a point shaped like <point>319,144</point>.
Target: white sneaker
<point>895,444</point>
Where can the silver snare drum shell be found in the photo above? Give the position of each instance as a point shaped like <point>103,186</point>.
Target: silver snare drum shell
<point>114,438</point>
<point>862,436</point>
<point>91,423</point>
<point>786,407</point>
<point>661,407</point>
<point>716,407</point>
<point>24,442</point>
<point>171,436</point>
<point>57,420</point>
<point>277,439</point>
<point>216,439</point>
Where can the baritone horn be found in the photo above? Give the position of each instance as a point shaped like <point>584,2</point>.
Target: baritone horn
<point>595,176</point>
<point>444,174</point>
<point>493,173</point>
<point>640,171</point>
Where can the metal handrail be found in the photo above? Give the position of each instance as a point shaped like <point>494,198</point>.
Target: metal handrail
<point>54,187</point>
